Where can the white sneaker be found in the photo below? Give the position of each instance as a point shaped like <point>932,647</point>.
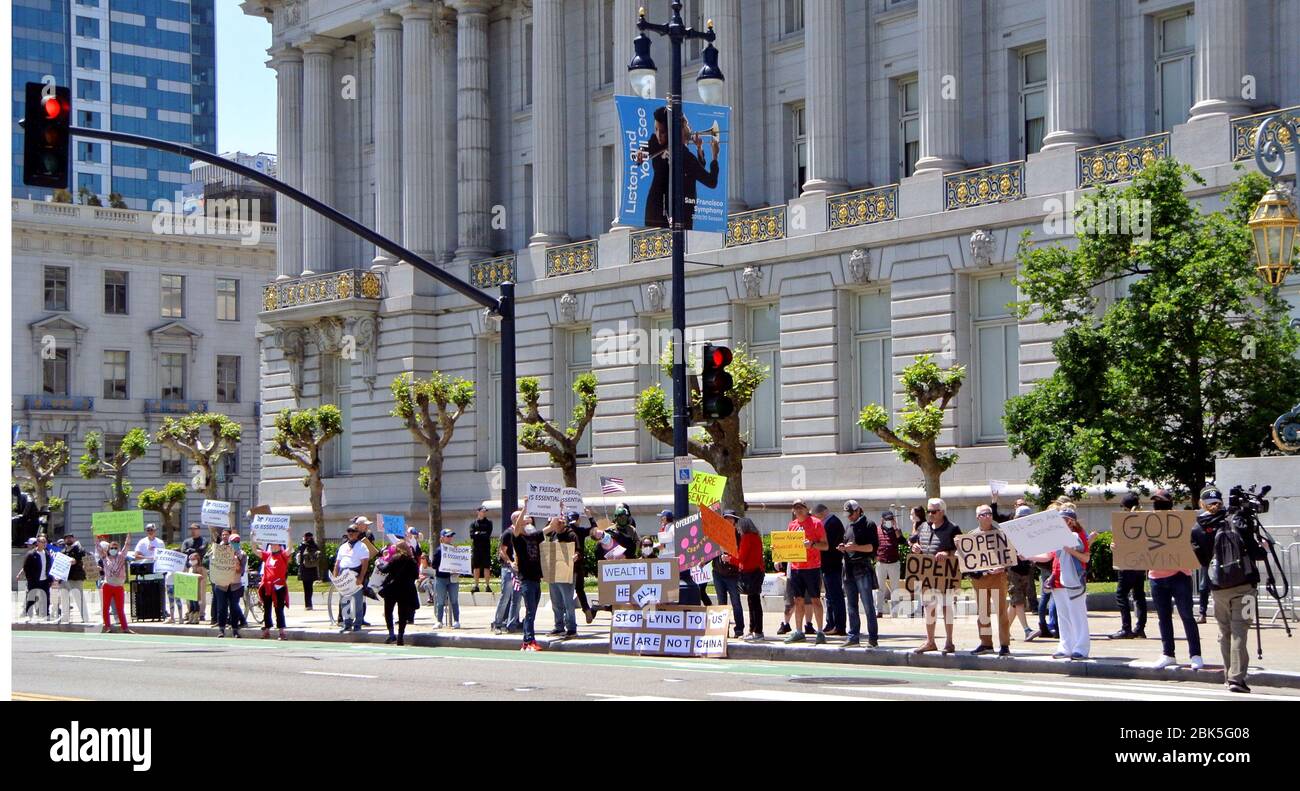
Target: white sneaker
<point>437,625</point>
<point>456,625</point>
<point>1165,662</point>
<point>1197,663</point>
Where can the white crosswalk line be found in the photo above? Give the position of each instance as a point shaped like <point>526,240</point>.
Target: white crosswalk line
<point>337,675</point>
<point>1176,688</point>
<point>1109,693</point>
<point>97,658</point>
<point>606,698</point>
<point>786,695</point>
<point>953,694</point>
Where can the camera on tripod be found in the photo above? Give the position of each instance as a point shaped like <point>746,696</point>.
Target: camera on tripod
<point>1248,501</point>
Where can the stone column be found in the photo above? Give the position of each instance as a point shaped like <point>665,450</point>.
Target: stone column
<point>726,22</point>
<point>287,62</point>
<point>473,130</point>
<point>1220,58</point>
<point>444,139</point>
<point>1069,74</point>
<point>550,140</point>
<point>388,130</point>
<point>939,30</point>
<point>318,151</point>
<point>417,123</point>
<point>824,75</point>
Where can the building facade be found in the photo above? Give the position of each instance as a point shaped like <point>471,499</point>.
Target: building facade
<point>886,157</point>
<point>121,319</point>
<point>146,67</point>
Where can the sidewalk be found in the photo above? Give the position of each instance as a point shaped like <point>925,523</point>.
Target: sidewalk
<point>1125,659</point>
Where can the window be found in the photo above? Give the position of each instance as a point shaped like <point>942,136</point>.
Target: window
<point>56,288</point>
<point>110,445</point>
<point>88,90</point>
<point>54,373</point>
<point>172,461</point>
<point>695,46</point>
<point>173,296</point>
<point>873,353</point>
<point>528,203</point>
<point>337,389</point>
<point>909,125</point>
<point>87,152</point>
<point>227,379</point>
<point>88,119</point>
<point>115,289</point>
<point>227,299</point>
<point>798,148</point>
<point>607,29</point>
<point>1175,67</point>
<point>997,353</point>
<point>1033,101</point>
<point>491,402</point>
<point>171,373</point>
<point>528,64</point>
<point>578,359</point>
<point>764,421</point>
<point>228,469</point>
<point>87,58</point>
<point>608,187</point>
<point>87,27</point>
<point>793,11</point>
<point>117,366</point>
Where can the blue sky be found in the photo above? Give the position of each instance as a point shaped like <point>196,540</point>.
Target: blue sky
<point>245,86</point>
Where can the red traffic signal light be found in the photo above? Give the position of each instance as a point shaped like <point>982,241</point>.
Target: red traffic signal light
<point>715,383</point>
<point>47,143</point>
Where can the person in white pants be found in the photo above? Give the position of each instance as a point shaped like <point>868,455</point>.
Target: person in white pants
<point>887,564</point>
<point>70,590</point>
<point>1070,589</point>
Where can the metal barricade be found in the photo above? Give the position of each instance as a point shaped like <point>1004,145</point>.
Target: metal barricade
<point>1290,560</point>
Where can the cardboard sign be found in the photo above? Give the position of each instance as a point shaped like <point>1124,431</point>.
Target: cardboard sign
<point>702,575</point>
<point>984,551</point>
<point>271,529</point>
<point>545,499</point>
<point>1153,540</point>
<point>571,500</point>
<point>216,513</point>
<point>671,631</point>
<point>1037,534</point>
<point>927,572</point>
<point>116,523</point>
<point>224,568</point>
<point>394,526</point>
<point>691,546</point>
<point>706,489</point>
<point>557,561</point>
<point>620,580</point>
<point>720,530</point>
<point>186,586</point>
<point>773,585</point>
<point>60,566</point>
<point>648,594</point>
<point>165,560</point>
<point>787,547</point>
<point>345,584</point>
<point>455,560</point>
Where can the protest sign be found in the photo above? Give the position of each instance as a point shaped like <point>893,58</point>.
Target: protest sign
<point>60,566</point>
<point>619,580</point>
<point>345,584</point>
<point>1037,534</point>
<point>455,560</point>
<point>557,561</point>
<point>216,513</point>
<point>983,551</point>
<point>224,568</point>
<point>571,500</point>
<point>720,530</point>
<point>115,523</point>
<point>186,586</point>
<point>1153,540</point>
<point>927,572</point>
<point>648,594</point>
<point>394,526</point>
<point>773,585</point>
<point>691,546</point>
<point>996,487</point>
<point>702,574</point>
<point>165,560</point>
<point>670,631</point>
<point>271,529</point>
<point>787,547</point>
<point>545,500</point>
<point>705,489</point>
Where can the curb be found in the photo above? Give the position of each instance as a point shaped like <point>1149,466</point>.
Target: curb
<point>811,654</point>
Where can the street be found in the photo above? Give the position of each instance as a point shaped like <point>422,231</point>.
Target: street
<point>121,667</point>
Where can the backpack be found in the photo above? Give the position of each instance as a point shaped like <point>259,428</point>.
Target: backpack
<point>1228,564</point>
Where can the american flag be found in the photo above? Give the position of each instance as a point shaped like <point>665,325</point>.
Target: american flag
<point>612,486</point>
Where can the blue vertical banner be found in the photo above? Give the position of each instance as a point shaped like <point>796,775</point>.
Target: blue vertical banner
<point>644,172</point>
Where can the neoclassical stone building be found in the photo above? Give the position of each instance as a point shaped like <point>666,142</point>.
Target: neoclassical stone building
<point>886,157</point>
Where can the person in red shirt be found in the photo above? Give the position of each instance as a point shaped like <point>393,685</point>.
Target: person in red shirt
<point>273,588</point>
<point>806,577</point>
<point>751,571</point>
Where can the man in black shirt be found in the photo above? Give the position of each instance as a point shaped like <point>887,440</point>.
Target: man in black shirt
<point>936,536</point>
<point>528,565</point>
<point>72,588</point>
<point>506,618</point>
<point>859,550</point>
<point>833,570</point>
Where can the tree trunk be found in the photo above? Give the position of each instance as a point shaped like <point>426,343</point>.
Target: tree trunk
<point>930,472</point>
<point>733,494</point>
<point>210,492</point>
<point>41,492</point>
<point>119,498</point>
<point>570,469</point>
<point>170,533</point>
<point>434,462</point>
<point>317,488</point>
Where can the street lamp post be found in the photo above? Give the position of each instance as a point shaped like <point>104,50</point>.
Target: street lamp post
<point>641,72</point>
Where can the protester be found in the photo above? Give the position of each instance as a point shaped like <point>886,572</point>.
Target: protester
<point>354,556</point>
<point>860,546</point>
<point>114,591</point>
<point>1068,582</point>
<point>990,591</point>
<point>528,566</point>
<point>309,557</point>
<point>887,568</point>
<point>1020,577</point>
<point>147,547</point>
<point>506,618</point>
<point>480,538</point>
<point>833,571</point>
<point>193,609</point>
<point>806,577</point>
<point>237,603</point>
<point>937,536</point>
<point>425,582</point>
<point>36,569</point>
<point>196,543</point>
<point>398,590</point>
<point>73,588</point>
<point>1228,558</point>
<point>561,531</point>
<point>226,597</point>
<point>446,586</point>
<point>726,580</point>
<point>1170,589</point>
<point>649,548</point>
<point>1132,583</point>
<point>750,562</point>
<point>273,589</point>
<point>222,538</point>
<point>1047,625</point>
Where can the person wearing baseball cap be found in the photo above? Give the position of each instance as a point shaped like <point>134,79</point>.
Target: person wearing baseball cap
<point>888,562</point>
<point>352,555</point>
<point>805,578</point>
<point>446,586</point>
<point>860,544</point>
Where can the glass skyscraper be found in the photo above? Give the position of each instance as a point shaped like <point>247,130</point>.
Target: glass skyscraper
<point>141,66</point>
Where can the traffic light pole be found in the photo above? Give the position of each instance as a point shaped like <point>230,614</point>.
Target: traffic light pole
<point>503,306</point>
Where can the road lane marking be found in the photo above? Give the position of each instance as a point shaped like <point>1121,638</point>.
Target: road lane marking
<point>1175,688</point>
<point>96,658</point>
<point>951,694</point>
<point>338,675</point>
<point>786,695</point>
<point>39,696</point>
<point>605,697</point>
<point>1109,694</point>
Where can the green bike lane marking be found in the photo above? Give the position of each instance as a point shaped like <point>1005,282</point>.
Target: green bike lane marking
<point>752,667</point>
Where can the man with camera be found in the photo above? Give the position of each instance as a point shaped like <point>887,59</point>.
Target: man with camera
<point>1227,554</point>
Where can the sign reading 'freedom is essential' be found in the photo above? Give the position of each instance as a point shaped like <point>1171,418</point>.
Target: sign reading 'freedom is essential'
<point>216,513</point>
<point>271,529</point>
<point>545,499</point>
<point>1153,540</point>
<point>983,551</point>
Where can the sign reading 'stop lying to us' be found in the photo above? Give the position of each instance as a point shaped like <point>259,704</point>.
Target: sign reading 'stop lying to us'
<point>1153,540</point>
<point>670,631</point>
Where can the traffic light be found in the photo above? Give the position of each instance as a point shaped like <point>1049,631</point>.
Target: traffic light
<point>47,145</point>
<point>715,382</point>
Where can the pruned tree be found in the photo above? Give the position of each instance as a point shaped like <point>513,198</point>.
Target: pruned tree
<point>412,398</point>
<point>300,434</point>
<point>185,435</point>
<point>721,441</point>
<point>95,465</point>
<point>115,201</point>
<point>169,503</point>
<point>927,391</point>
<point>34,466</point>
<point>540,435</point>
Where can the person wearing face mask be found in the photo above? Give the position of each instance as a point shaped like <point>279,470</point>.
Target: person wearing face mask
<point>273,589</point>
<point>196,543</point>
<point>226,595</point>
<point>113,593</point>
<point>889,538</point>
<point>649,549</point>
<point>72,589</point>
<point>528,561</point>
<point>194,609</point>
<point>562,599</point>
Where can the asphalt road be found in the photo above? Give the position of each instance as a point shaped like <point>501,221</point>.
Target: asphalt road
<point>122,667</point>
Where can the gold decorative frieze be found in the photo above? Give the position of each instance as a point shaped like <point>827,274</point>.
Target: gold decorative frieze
<point>752,227</point>
<point>652,244</point>
<point>326,287</point>
<point>1244,128</point>
<point>982,186</point>
<point>1119,161</point>
<point>851,209</point>
<point>571,259</point>
<point>492,272</point>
